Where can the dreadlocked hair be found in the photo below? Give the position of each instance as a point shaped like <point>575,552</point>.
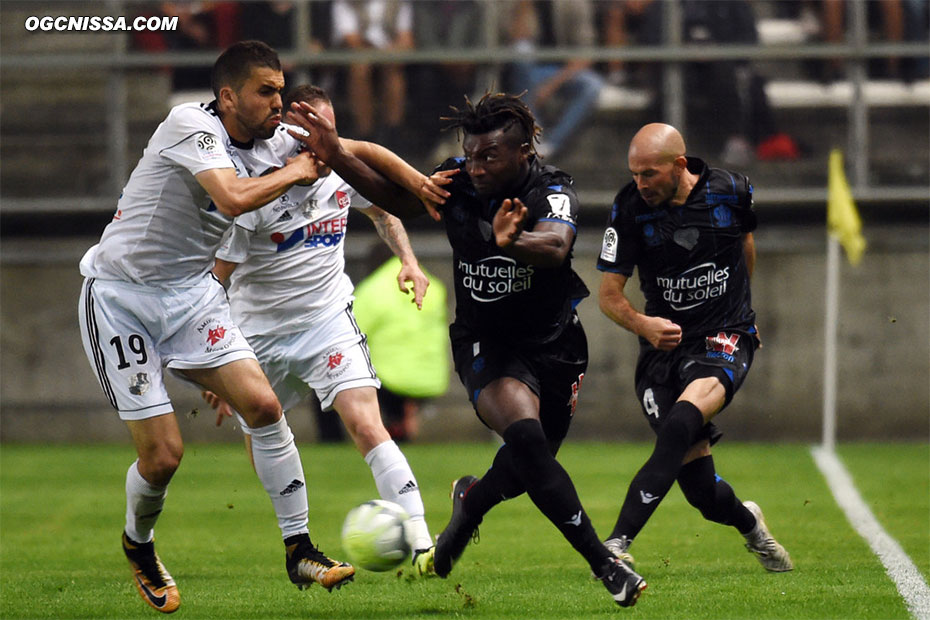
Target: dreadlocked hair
<point>495,111</point>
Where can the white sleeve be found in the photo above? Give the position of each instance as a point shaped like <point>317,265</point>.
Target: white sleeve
<point>358,201</point>
<point>193,141</point>
<point>345,20</point>
<point>404,20</point>
<point>234,247</point>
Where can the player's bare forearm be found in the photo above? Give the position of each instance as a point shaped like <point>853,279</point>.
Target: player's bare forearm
<point>541,248</point>
<point>375,186</point>
<point>660,332</point>
<point>234,196</point>
<point>386,162</point>
<point>392,231</point>
<point>615,305</point>
<point>320,136</point>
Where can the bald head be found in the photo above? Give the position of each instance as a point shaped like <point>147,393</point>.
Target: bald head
<point>659,166</point>
<point>657,142</point>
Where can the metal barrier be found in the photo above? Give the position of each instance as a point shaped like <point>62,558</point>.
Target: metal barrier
<point>856,52</point>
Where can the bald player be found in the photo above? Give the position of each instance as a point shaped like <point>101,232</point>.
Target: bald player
<point>688,229</point>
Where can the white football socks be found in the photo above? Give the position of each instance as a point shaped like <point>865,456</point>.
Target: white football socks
<point>396,483</point>
<point>144,502</point>
<point>277,463</point>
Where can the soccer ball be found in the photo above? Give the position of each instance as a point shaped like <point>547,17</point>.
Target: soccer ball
<point>373,535</point>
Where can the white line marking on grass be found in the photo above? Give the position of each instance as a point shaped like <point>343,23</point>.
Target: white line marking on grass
<point>898,565</point>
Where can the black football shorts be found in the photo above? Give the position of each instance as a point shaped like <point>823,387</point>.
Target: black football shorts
<point>661,376</point>
<point>554,371</point>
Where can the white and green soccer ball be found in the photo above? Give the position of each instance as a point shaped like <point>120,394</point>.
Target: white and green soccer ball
<point>373,535</point>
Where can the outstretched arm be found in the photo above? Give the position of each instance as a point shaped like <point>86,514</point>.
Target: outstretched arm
<point>659,332</point>
<point>392,231</point>
<point>340,155</point>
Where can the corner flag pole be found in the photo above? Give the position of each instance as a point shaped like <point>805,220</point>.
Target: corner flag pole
<point>843,228</point>
<point>831,317</point>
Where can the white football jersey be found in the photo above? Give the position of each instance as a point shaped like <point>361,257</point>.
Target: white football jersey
<point>166,228</point>
<point>291,270</point>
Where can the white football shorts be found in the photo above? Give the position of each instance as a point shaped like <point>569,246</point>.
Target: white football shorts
<point>328,358</point>
<point>132,331</point>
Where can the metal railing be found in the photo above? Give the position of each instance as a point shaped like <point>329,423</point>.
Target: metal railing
<point>856,52</point>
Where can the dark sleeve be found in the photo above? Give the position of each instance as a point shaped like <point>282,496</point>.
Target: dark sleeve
<point>556,202</point>
<point>620,245</point>
<point>747,209</point>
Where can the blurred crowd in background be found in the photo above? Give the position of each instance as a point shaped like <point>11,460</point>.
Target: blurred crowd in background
<point>377,98</point>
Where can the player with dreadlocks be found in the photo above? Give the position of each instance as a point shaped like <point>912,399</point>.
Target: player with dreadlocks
<point>517,342</point>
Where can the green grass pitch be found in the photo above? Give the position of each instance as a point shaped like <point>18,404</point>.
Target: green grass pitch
<point>62,510</point>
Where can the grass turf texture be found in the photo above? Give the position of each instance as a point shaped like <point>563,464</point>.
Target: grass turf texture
<point>62,509</point>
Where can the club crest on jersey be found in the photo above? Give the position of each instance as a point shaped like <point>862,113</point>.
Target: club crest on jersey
<point>308,207</point>
<point>217,337</point>
<point>722,345</point>
<point>139,383</point>
<point>336,363</point>
<point>343,200</point>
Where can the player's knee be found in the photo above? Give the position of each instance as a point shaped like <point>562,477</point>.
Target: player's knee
<point>263,410</point>
<point>681,429</point>
<point>526,438</point>
<point>159,464</point>
<point>368,434</point>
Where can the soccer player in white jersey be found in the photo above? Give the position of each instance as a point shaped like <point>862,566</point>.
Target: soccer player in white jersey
<point>292,300</point>
<point>149,301</point>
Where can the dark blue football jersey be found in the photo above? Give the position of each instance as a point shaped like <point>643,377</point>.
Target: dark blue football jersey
<point>690,258</point>
<point>499,296</point>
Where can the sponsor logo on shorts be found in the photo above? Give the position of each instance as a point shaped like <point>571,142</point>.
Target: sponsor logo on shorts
<point>336,363</point>
<point>573,400</point>
<point>139,383</point>
<point>722,345</point>
<point>218,337</point>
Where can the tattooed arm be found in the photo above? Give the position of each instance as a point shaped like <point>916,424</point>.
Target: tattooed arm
<point>392,231</point>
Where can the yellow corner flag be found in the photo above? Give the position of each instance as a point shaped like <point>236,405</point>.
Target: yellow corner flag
<point>842,218</point>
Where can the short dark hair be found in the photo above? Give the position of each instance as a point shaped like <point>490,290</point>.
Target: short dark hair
<point>496,111</point>
<point>234,65</point>
<point>306,92</point>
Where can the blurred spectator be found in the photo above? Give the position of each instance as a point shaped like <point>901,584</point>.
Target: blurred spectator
<point>725,95</point>
<point>201,26</point>
<point>562,95</point>
<point>618,19</point>
<point>899,19</point>
<point>452,25</point>
<point>383,25</point>
<point>273,22</point>
<point>409,347</point>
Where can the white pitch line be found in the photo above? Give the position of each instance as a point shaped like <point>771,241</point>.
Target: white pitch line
<point>898,565</point>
